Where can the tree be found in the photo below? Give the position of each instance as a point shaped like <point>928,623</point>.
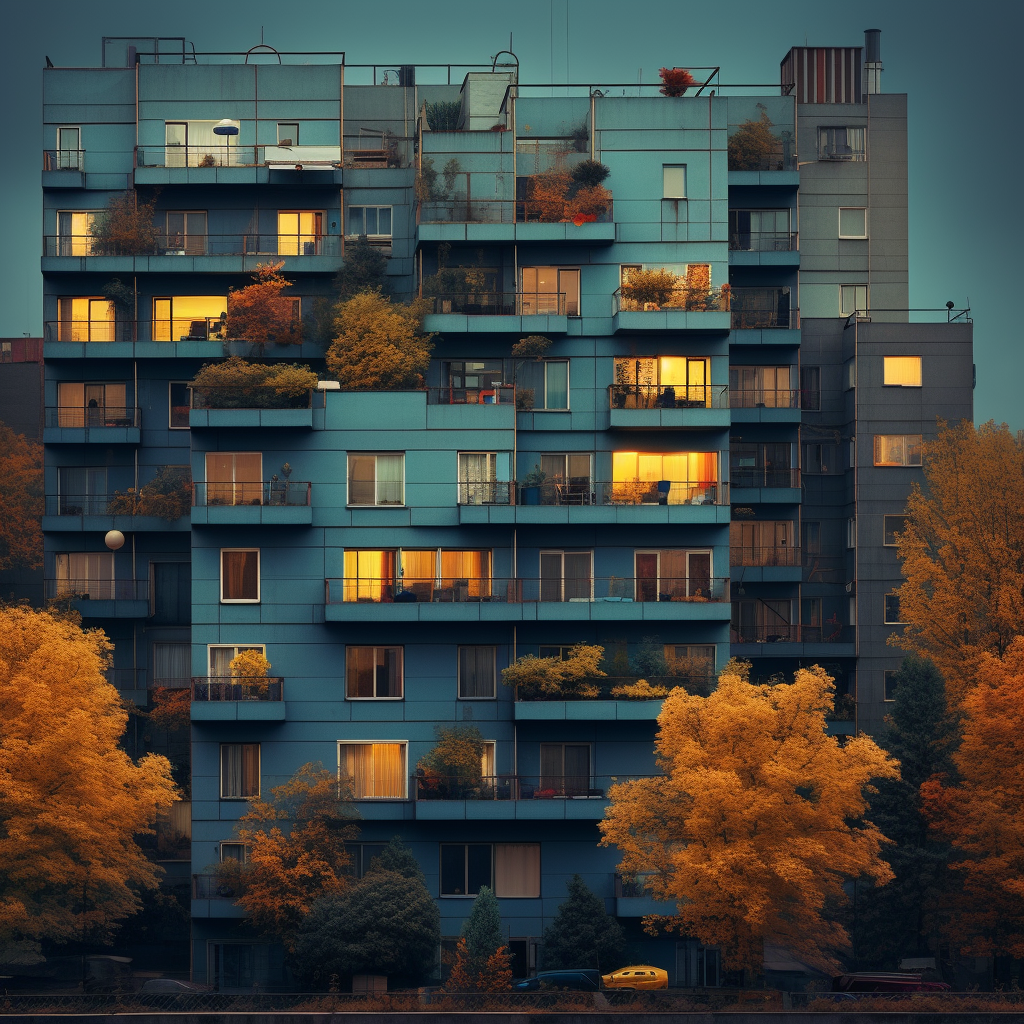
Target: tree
<point>379,345</point>
<point>365,269</point>
<point>752,145</point>
<point>482,961</point>
<point>71,800</point>
<point>900,918</point>
<point>397,857</point>
<point>260,314</point>
<point>755,825</point>
<point>583,934</point>
<point>983,813</point>
<point>126,227</point>
<point>962,551</point>
<point>557,678</point>
<point>297,854</point>
<point>21,501</point>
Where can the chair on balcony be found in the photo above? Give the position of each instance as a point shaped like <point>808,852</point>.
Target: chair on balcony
<point>197,331</point>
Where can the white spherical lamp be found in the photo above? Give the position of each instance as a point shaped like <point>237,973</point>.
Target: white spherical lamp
<point>114,540</point>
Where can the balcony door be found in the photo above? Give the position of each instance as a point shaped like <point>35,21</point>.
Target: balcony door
<point>299,232</point>
<point>186,233</point>
<point>484,478</point>
<point>551,290</point>
<point>82,490</point>
<point>234,478</point>
<point>669,574</point>
<point>74,232</point>
<point>566,575</point>
<point>565,768</point>
<point>568,478</point>
<point>92,405</point>
<point>85,574</point>
<point>85,318</point>
<point>763,621</point>
<point>69,149</point>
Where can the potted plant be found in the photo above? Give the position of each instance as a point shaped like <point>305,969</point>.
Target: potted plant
<point>531,485</point>
<point>675,81</point>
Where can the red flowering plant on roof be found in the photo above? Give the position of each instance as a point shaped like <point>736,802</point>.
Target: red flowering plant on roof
<point>675,81</point>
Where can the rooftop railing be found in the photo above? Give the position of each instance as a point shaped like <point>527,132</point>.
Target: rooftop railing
<point>93,416</point>
<point>504,304</point>
<point>258,492</point>
<point>763,241</point>
<point>668,396</point>
<point>231,688</point>
<point>240,244</point>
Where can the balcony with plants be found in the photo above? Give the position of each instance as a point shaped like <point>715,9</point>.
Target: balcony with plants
<point>762,141</point>
<point>675,297</point>
<point>239,393</point>
<point>249,693</point>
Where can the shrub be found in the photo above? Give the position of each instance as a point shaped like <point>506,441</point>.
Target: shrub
<point>126,227</point>
<point>168,495</point>
<point>454,764</point>
<point>752,145</point>
<point>237,383</point>
<point>644,287</point>
<point>260,314</point>
<point>640,690</point>
<point>172,707</point>
<point>556,678</point>
<point>587,174</point>
<point>365,269</point>
<point>675,81</point>
<point>443,116</point>
<point>249,664</point>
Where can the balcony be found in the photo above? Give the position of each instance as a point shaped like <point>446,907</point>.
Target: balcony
<point>791,640</point>
<point>686,309</point>
<point>763,309</point>
<point>242,699</point>
<point>634,899</point>
<point>666,406</point>
<point>128,511</point>
<point>496,312</point>
<point>318,166</point>
<point>249,407</point>
<point>107,424</point>
<point>763,564</point>
<point>216,897</point>
<point>613,598</point>
<point>760,405</point>
<point>759,484</point>
<point>762,141</point>
<point>102,599</point>
<point>252,503</point>
<point>63,168</point>
<point>764,249</point>
<point>508,220</point>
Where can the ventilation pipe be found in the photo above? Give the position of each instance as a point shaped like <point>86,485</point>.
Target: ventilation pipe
<point>873,61</point>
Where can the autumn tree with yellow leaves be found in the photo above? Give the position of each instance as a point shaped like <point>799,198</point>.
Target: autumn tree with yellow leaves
<point>72,802</point>
<point>757,822</point>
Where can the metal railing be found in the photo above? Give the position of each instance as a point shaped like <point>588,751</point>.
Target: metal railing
<point>197,156</point>
<point>496,394</point>
<point>764,398</point>
<point>93,416</point>
<point>98,590</point>
<point>63,159</point>
<point>128,502</point>
<point>255,492</point>
<point>668,396</point>
<point>764,555</point>
<point>486,492</point>
<point>792,633</point>
<point>506,590</point>
<point>247,396</point>
<point>763,477</point>
<point>504,303</point>
<point>222,688</point>
<point>506,211</point>
<point>697,681</point>
<point>427,786</point>
<point>245,244</point>
<point>581,491</point>
<point>682,299</point>
<point>753,308</point>
<point>763,241</point>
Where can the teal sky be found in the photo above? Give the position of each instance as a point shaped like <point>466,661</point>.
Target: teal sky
<point>958,62</point>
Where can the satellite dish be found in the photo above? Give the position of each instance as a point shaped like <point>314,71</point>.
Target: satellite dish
<point>225,127</point>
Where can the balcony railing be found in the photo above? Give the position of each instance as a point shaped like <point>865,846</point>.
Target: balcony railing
<point>762,398</point>
<point>256,492</point>
<point>496,394</point>
<point>486,492</point>
<point>269,244</point>
<point>668,396</point>
<point>763,308</point>
<point>763,241</point>
<point>63,159</point>
<point>767,556</point>
<point>221,688</point>
<point>120,503</point>
<point>98,590</point>
<point>682,299</point>
<point>699,681</point>
<point>93,416</point>
<point>581,491</point>
<point>504,304</point>
<point>515,787</point>
<point>247,397</point>
<point>505,211</point>
<point>504,590</point>
<point>762,477</point>
<point>210,887</point>
<point>308,157</point>
<point>792,633</point>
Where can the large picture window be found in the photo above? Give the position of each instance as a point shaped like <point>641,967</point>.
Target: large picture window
<point>432,574</point>
<point>637,477</point>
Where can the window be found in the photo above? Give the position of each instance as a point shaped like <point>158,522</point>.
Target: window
<point>760,230</point>
<point>374,673</point>
<point>172,664</point>
<point>375,771</point>
<point>675,573</point>
<point>238,852</point>
<point>810,541</point>
<point>673,181</point>
<point>810,388</point>
<point>637,478</point>
<point>889,684</point>
<point>376,479</point>
<point>753,387</point>
<point>82,490</point>
<point>466,379</point>
<point>551,290</point>
<point>565,575</point>
<point>239,771</point>
<point>820,459</point>
<point>239,575</point>
<point>902,371</point>
<point>299,233</point>
<point>853,452</point>
<point>841,144</point>
<point>698,966</point>
<point>484,478</point>
<point>432,574</point>
<point>891,526</point>
<point>93,405</point>
<point>568,478</point>
<point>767,620</point>
<point>372,221</point>
<point>892,610</point>
<point>69,149</point>
<point>853,222</point>
<point>851,604</point>
<point>287,133</point>
<point>74,233</point>
<point>764,542</point>
<point>512,870</point>
<point>665,382</point>
<point>853,298</point>
<point>234,478</point>
<point>851,532</point>
<point>86,318</point>
<point>898,449</point>
<point>194,144</point>
<point>85,574</point>
<point>565,768</point>
<point>186,233</point>
<point>189,317</point>
<point>221,656</point>
<point>556,384</point>
<point>477,673</point>
<point>851,373</point>
<point>361,857</point>
<point>810,612</point>
<point>178,405</point>
<point>762,465</point>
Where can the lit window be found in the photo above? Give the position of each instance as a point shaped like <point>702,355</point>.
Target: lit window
<point>853,298</point>
<point>898,449</point>
<point>373,673</point>
<point>853,222</point>
<point>372,221</point>
<point>375,771</point>
<point>892,610</point>
<point>85,574</point>
<point>299,233</point>
<point>891,526</point>
<point>477,673</point>
<point>638,478</point>
<point>189,317</point>
<point>239,771</point>
<point>239,575</point>
<point>93,405</point>
<point>376,479</point>
<point>196,144</point>
<point>902,371</point>
<point>550,290</point>
<point>85,319</point>
<point>673,181</point>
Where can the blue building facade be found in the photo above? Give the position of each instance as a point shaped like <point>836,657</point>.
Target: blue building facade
<point>637,485</point>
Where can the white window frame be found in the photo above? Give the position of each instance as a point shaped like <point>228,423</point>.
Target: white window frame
<point>404,744</point>
<point>237,648</point>
<point>665,168</point>
<point>259,574</point>
<point>376,647</point>
<point>458,671</point>
<point>857,308</point>
<point>259,773</point>
<point>865,211</point>
<point>377,503</point>
<point>370,206</point>
<point>879,445</point>
<point>899,384</point>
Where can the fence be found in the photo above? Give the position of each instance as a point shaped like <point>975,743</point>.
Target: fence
<point>93,416</point>
<point>222,688</point>
<point>502,303</point>
<point>98,590</point>
<point>583,491</point>
<point>179,244</point>
<point>427,786</point>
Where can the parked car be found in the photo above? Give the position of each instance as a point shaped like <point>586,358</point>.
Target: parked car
<point>574,981</point>
<point>639,976</point>
<point>886,981</point>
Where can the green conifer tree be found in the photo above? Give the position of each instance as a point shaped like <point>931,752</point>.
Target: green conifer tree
<point>583,934</point>
<point>482,930</point>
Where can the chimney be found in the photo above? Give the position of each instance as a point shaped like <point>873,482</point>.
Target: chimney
<point>873,60</point>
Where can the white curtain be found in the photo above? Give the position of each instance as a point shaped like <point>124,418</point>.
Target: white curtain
<point>517,870</point>
<point>390,479</point>
<point>172,664</point>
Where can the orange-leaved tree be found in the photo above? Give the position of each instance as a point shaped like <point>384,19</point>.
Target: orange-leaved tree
<point>71,800</point>
<point>260,314</point>
<point>21,501</point>
<point>757,822</point>
<point>982,814</point>
<point>962,551</point>
<point>296,850</point>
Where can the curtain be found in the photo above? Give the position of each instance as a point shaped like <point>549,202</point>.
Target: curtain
<point>369,575</point>
<point>377,770</point>
<point>373,672</point>
<point>172,663</point>
<point>89,574</point>
<point>221,657</point>
<point>902,370</point>
<point>359,666</point>
<point>390,479</point>
<point>556,384</point>
<point>477,672</point>
<point>240,575</point>
<point>478,473</point>
<point>240,770</point>
<point>517,870</point>
<point>472,566</point>
<point>82,490</point>
<point>419,573</point>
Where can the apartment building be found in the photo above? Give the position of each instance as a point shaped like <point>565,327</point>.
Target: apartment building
<point>712,469</point>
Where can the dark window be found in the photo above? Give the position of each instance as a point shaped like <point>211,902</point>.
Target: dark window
<point>820,459</point>
<point>810,541</point>
<point>170,593</point>
<point>892,525</point>
<point>373,672</point>
<point>477,673</point>
<point>179,406</point>
<point>465,867</point>
<point>810,388</point>
<point>889,684</point>
<point>892,609</point>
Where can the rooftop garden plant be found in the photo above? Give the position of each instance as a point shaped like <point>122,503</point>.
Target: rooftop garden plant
<point>455,764</point>
<point>443,116</point>
<point>752,145</point>
<point>577,195</point>
<point>569,678</point>
<point>237,383</point>
<point>675,81</point>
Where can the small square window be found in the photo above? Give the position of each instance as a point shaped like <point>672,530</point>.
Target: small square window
<point>673,179</point>
<point>891,526</point>
<point>853,222</point>
<point>902,371</point>
<point>853,298</point>
<point>889,684</point>
<point>477,673</point>
<point>898,449</point>
<point>287,133</point>
<point>240,575</point>
<point>892,610</point>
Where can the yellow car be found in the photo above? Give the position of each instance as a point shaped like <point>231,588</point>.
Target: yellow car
<point>637,977</point>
